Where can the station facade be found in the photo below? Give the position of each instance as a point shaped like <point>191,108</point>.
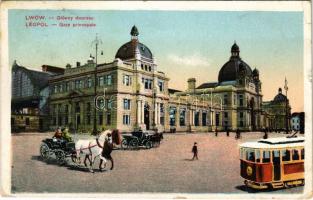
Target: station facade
<point>131,93</point>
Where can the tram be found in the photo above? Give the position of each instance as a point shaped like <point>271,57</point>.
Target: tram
<point>273,163</point>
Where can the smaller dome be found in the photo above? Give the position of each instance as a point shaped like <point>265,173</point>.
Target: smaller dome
<point>255,72</point>
<point>235,48</point>
<point>280,97</point>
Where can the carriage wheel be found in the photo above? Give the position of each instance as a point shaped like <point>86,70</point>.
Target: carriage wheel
<point>44,151</point>
<point>133,144</point>
<point>148,144</point>
<point>124,144</point>
<point>60,156</point>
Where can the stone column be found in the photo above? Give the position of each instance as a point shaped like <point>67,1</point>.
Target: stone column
<point>142,111</point>
<point>138,112</point>
<point>159,112</point>
<point>155,113</point>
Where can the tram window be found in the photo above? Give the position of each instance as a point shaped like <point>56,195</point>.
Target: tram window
<point>250,155</point>
<point>302,154</point>
<point>266,157</point>
<point>276,156</point>
<point>295,154</point>
<point>257,156</point>
<point>285,155</point>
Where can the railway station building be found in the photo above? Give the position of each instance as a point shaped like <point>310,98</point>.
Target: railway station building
<point>133,94</point>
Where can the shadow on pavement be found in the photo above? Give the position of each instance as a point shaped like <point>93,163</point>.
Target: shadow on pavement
<point>188,159</point>
<point>251,190</point>
<point>70,166</point>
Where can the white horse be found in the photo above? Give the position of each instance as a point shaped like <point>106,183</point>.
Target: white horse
<point>100,147</point>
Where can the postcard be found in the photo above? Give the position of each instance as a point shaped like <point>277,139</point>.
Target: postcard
<point>156,99</point>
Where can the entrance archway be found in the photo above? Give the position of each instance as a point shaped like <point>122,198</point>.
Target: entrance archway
<point>147,116</point>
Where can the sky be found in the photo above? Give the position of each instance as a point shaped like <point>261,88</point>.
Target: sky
<point>185,44</point>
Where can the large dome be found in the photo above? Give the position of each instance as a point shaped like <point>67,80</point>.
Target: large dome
<point>128,50</point>
<point>235,67</point>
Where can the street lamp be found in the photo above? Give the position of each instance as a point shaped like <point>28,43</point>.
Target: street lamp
<point>96,42</point>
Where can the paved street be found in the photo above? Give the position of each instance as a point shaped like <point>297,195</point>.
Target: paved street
<point>164,169</point>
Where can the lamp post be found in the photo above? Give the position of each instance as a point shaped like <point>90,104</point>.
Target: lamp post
<point>96,42</point>
<point>286,89</point>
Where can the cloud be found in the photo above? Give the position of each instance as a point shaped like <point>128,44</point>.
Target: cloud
<point>190,60</point>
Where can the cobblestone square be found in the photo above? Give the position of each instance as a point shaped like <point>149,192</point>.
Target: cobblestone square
<point>167,169</point>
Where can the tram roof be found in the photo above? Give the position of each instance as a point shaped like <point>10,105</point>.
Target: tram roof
<point>281,142</point>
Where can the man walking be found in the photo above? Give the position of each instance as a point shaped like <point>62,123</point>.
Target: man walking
<point>195,151</point>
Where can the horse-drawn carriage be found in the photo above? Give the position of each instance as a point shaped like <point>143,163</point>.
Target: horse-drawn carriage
<point>59,148</point>
<point>92,148</point>
<point>138,139</point>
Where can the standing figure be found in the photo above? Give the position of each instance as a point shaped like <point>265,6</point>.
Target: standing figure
<point>216,132</point>
<point>237,134</point>
<point>265,133</point>
<point>227,132</point>
<point>195,151</point>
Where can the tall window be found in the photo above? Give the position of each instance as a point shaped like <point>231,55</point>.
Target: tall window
<point>204,115</point>
<point>240,100</point>
<point>109,79</point>
<point>81,84</point>
<point>77,107</point>
<point>89,82</point>
<point>172,116</point>
<point>108,118</point>
<point>100,118</point>
<point>126,119</point>
<point>147,83</point>
<point>182,117</point>
<point>235,96</point>
<point>126,80</point>
<point>126,104</point>
<point>101,81</point>
<point>77,84</point>
<point>197,118</point>
<point>217,119</point>
<point>27,121</point>
<point>68,86</point>
<point>56,89</point>
<point>161,85</point>
<point>162,114</point>
<point>225,99</point>
<point>66,108</point>
<point>225,114</point>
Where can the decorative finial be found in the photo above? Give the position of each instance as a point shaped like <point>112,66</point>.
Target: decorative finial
<point>134,31</point>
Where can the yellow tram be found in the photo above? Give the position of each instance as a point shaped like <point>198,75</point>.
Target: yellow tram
<point>273,163</point>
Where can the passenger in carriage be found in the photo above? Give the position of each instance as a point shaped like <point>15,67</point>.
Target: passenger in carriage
<point>66,135</point>
<point>58,133</point>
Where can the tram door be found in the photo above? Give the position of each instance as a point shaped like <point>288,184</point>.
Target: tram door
<point>276,165</point>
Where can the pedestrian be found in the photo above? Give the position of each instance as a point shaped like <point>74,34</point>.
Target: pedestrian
<point>237,134</point>
<point>227,132</point>
<point>216,132</point>
<point>195,151</point>
<point>265,133</point>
